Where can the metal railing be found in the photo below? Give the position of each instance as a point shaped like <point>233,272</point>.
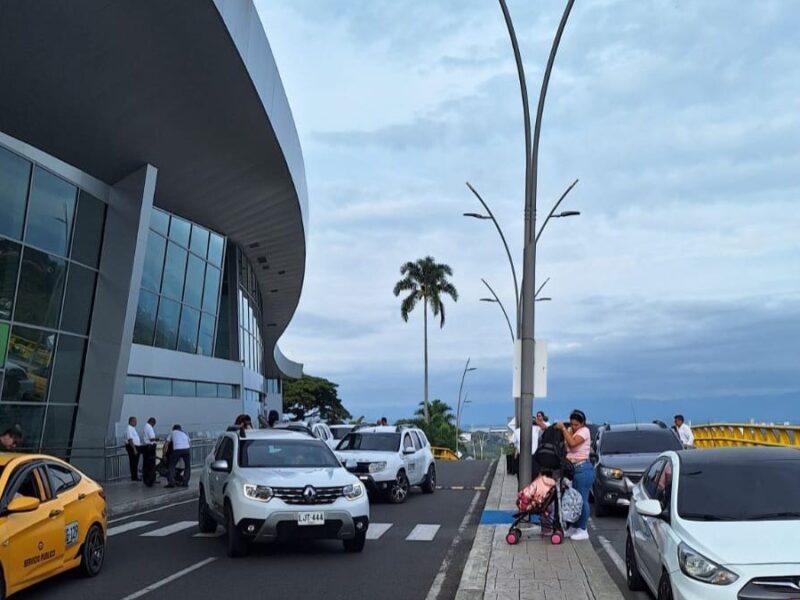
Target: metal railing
<point>440,453</point>
<point>721,435</point>
<point>117,458</point>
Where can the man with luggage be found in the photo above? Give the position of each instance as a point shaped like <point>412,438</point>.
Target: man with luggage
<point>179,445</point>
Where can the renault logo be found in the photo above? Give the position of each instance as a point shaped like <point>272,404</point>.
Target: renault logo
<point>309,493</point>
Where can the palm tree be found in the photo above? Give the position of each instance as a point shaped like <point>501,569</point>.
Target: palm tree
<point>426,280</point>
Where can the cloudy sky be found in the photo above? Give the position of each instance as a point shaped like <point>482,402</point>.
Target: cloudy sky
<point>678,287</point>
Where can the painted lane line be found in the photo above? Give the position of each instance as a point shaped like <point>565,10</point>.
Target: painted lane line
<point>170,579</point>
<point>423,533</point>
<point>147,512</point>
<point>376,530</point>
<point>128,527</point>
<point>170,529</point>
<point>612,554</point>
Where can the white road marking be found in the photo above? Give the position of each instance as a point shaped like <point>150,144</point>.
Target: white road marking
<point>152,510</point>
<point>423,533</point>
<point>128,527</point>
<point>170,529</point>
<point>170,579</point>
<point>612,554</point>
<point>218,533</point>
<point>376,530</point>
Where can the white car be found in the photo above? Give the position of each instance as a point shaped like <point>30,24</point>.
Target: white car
<point>717,524</point>
<point>277,484</point>
<point>389,460</point>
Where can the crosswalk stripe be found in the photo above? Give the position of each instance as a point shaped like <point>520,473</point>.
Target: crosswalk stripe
<point>170,529</point>
<point>376,530</point>
<point>128,527</point>
<point>423,533</point>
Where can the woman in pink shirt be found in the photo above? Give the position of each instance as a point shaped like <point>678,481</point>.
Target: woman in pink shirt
<point>578,441</point>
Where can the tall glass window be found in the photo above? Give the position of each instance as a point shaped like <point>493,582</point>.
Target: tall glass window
<point>179,299</point>
<point>51,236</point>
<point>250,311</point>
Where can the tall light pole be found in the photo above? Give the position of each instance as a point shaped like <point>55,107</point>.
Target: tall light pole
<point>527,320</point>
<point>467,369</point>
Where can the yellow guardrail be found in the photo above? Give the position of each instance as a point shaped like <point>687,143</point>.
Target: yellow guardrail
<point>721,435</point>
<point>440,453</point>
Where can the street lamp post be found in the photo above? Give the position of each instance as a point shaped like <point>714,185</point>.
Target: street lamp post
<point>467,369</point>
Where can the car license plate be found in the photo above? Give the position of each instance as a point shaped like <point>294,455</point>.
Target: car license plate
<point>311,518</point>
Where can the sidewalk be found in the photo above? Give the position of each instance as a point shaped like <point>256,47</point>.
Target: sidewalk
<point>533,569</point>
<point>126,496</point>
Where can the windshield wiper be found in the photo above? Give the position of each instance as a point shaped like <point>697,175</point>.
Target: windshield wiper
<point>708,517</point>
<point>773,515</point>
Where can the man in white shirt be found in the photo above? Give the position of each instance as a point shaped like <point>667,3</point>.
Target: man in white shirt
<point>684,432</point>
<point>132,446</point>
<point>179,445</point>
<point>149,452</point>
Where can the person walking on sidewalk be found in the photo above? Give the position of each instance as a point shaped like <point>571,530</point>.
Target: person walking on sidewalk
<point>684,432</point>
<point>578,441</point>
<point>179,444</point>
<point>132,446</point>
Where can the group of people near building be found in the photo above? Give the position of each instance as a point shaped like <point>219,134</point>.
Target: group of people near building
<point>177,448</point>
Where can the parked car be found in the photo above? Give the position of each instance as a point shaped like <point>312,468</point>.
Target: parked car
<point>389,460</point>
<point>717,524</point>
<point>278,484</point>
<point>620,454</point>
<point>339,431</point>
<point>52,518</point>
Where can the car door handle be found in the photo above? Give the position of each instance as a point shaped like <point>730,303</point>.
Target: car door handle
<point>56,512</point>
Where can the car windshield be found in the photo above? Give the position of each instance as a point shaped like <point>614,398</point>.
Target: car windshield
<point>340,432</point>
<point>749,491</point>
<point>638,442</point>
<point>285,453</point>
<point>381,442</point>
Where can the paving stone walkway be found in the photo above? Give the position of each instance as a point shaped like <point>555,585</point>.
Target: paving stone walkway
<point>534,569</point>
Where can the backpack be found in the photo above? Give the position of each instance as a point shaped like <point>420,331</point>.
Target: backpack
<point>552,452</point>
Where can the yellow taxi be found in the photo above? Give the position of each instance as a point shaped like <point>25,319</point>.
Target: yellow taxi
<point>52,519</point>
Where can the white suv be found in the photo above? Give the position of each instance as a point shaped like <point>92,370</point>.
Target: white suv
<point>278,484</point>
<point>389,460</point>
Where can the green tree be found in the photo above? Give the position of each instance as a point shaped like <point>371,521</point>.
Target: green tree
<point>441,430</point>
<point>311,393</point>
<point>425,280</point>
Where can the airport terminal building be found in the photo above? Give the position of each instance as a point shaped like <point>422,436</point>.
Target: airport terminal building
<point>153,221</point>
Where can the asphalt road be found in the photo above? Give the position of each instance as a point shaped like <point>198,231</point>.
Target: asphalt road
<point>608,538</point>
<point>174,563</point>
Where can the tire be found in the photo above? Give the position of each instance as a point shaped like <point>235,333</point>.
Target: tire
<point>632,575</point>
<point>205,522</point>
<point>665,587</point>
<point>399,490</point>
<point>237,544</point>
<point>93,552</point>
<point>356,544</point>
<point>429,485</point>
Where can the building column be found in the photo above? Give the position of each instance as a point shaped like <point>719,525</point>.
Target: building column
<point>113,319</point>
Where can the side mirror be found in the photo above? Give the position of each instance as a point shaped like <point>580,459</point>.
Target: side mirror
<point>220,466</point>
<point>409,451</point>
<point>649,508</point>
<point>23,504</point>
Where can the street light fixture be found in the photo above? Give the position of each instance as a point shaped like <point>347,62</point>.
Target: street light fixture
<point>459,404</point>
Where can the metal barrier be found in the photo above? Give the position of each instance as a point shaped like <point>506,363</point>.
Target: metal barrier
<point>721,435</point>
<point>440,453</point>
<point>117,458</point>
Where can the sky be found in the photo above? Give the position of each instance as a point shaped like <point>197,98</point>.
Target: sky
<point>677,289</point>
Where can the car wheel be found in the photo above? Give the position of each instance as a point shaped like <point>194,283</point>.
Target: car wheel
<point>356,544</point>
<point>429,485</point>
<point>399,489</point>
<point>205,522</point>
<point>632,575</point>
<point>93,552</point>
<point>665,587</point>
<point>237,544</point>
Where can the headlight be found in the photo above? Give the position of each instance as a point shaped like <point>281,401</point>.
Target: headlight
<point>354,491</point>
<point>698,567</point>
<point>262,493</point>
<point>377,466</point>
<point>611,473</point>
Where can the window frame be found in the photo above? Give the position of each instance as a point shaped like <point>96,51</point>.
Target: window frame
<point>53,466</point>
<point>653,470</point>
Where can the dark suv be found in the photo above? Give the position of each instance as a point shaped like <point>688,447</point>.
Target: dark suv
<point>621,453</point>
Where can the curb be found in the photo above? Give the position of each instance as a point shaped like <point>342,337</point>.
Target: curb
<point>115,510</point>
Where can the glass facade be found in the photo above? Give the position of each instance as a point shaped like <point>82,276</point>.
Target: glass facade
<point>251,350</point>
<point>179,296</point>
<point>158,386</point>
<point>50,240</point>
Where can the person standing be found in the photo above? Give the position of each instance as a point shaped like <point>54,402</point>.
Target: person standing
<point>149,452</point>
<point>179,444</point>
<point>578,441</point>
<point>132,447</point>
<point>11,438</point>
<point>272,418</point>
<point>684,432</point>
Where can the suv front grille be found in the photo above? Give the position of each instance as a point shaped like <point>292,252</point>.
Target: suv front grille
<point>294,495</point>
<point>634,477</point>
<point>771,588</point>
<point>361,467</point>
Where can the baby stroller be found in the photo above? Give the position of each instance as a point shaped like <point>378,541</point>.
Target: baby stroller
<point>550,496</point>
